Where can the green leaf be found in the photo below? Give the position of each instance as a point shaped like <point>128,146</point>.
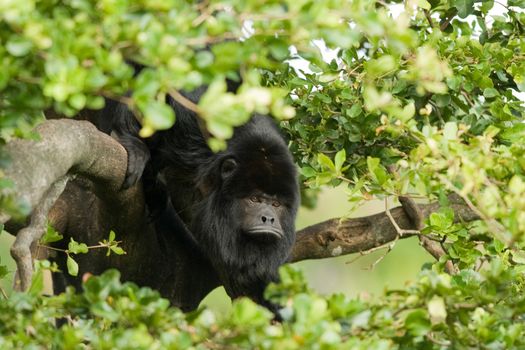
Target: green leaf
<point>381,65</point>
<point>3,270</point>
<point>50,235</point>
<point>442,100</point>
<point>514,134</point>
<point>408,112</point>
<point>247,312</point>
<point>437,310</point>
<point>72,266</point>
<point>518,257</point>
<point>417,323</point>
<point>464,7</point>
<point>340,158</point>
<point>372,163</point>
<point>442,220</point>
<point>204,59</point>
<point>216,145</point>
<point>517,3</point>
<point>450,131</point>
<point>354,111</point>
<point>18,47</point>
<point>424,4</point>
<point>376,170</point>
<point>220,128</point>
<point>158,115</point>
<point>325,162</point>
<point>490,93</point>
<point>77,248</point>
<point>308,171</point>
<point>78,101</point>
<point>117,250</point>
<point>37,282</point>
<point>112,236</point>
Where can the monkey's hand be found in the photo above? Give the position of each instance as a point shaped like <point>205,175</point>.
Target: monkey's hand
<point>138,157</point>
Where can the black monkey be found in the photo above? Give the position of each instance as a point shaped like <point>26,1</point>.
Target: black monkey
<point>237,207</point>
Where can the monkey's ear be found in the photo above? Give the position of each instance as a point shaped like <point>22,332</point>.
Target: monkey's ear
<point>228,166</point>
<point>206,180</point>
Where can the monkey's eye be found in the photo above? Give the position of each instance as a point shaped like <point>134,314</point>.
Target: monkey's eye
<point>276,204</point>
<point>255,199</point>
<point>228,167</point>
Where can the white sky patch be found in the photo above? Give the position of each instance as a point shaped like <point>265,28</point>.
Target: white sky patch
<point>298,63</point>
<point>396,9</point>
<point>327,53</point>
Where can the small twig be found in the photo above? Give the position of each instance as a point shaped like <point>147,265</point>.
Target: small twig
<point>399,230</point>
<point>479,265</point>
<point>429,18</point>
<point>100,245</point>
<point>467,98</point>
<point>390,247</point>
<point>436,341</point>
<point>184,101</point>
<point>502,4</point>
<point>447,21</point>
<point>205,11</point>
<point>206,40</point>
<point>4,294</point>
<point>414,213</point>
<point>465,305</point>
<point>366,252</point>
<point>51,248</point>
<point>352,71</point>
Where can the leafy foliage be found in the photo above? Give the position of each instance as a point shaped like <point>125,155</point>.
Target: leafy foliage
<point>461,312</point>
<point>75,247</point>
<point>431,91</point>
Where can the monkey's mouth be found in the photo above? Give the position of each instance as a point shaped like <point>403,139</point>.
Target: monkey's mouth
<point>264,233</point>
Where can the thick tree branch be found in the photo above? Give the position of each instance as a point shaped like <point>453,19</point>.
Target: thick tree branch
<point>346,236</point>
<point>65,147</point>
<point>41,169</point>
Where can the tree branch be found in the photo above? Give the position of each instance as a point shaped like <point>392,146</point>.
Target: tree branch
<point>65,147</point>
<point>41,169</point>
<point>336,237</point>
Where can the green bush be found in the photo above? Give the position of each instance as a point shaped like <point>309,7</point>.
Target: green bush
<point>433,91</point>
<point>469,310</point>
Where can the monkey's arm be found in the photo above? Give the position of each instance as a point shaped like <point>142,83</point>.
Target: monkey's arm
<point>125,127</point>
<point>169,226</point>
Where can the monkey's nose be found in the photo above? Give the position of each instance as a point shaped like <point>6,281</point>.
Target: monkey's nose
<point>267,218</point>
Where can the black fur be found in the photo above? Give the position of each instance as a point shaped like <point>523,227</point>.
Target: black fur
<point>246,266</point>
<point>203,209</point>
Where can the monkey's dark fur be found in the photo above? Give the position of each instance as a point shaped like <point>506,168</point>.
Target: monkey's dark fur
<point>235,208</point>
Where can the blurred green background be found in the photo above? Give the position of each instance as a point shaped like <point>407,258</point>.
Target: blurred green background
<point>326,276</point>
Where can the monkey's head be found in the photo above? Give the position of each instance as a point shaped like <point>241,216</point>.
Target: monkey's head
<point>246,221</point>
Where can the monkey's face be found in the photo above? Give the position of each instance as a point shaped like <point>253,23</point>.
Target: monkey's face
<point>261,216</point>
